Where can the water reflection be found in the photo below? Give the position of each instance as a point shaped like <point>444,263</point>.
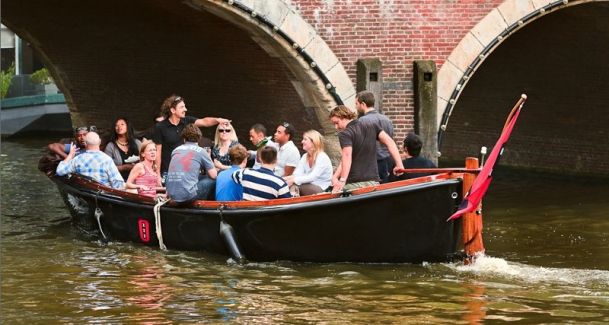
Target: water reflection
<point>548,263</point>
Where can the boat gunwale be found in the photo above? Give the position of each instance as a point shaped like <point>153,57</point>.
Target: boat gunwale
<point>89,187</point>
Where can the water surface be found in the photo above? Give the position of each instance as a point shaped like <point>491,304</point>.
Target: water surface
<point>546,240</point>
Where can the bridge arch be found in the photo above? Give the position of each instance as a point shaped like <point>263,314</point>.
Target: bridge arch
<point>557,55</point>
<point>266,52</point>
<point>479,43</point>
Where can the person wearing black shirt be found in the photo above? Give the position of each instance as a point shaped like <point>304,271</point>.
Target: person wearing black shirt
<point>167,132</point>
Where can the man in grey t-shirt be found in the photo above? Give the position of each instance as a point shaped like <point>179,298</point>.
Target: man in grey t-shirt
<point>184,179</point>
<point>364,102</point>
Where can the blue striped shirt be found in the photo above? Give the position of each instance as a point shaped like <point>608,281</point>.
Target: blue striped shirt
<point>261,184</point>
<point>94,164</point>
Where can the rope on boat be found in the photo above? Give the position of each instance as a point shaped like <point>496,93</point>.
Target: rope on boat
<point>98,214</point>
<point>157,219</point>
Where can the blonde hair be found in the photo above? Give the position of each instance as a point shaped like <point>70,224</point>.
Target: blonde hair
<point>233,135</point>
<point>143,147</point>
<point>317,140</point>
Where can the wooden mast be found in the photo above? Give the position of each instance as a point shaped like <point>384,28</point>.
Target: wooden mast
<point>471,234</point>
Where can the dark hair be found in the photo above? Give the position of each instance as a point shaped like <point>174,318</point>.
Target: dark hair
<point>130,135</point>
<point>259,128</point>
<point>267,154</point>
<point>290,130</point>
<point>343,112</point>
<point>169,103</point>
<point>366,97</point>
<point>237,154</point>
<point>413,144</point>
<point>191,133</point>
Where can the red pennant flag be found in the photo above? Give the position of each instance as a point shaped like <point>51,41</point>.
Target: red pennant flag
<point>483,180</point>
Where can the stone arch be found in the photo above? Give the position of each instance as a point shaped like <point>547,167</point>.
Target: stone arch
<point>480,42</point>
<point>320,78</point>
<point>292,69</point>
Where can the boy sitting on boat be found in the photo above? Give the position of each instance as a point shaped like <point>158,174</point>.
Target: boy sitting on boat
<point>262,184</point>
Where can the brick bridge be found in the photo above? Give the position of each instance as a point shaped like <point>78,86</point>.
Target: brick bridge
<point>275,60</point>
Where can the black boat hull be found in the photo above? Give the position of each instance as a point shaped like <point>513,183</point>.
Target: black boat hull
<point>392,225</point>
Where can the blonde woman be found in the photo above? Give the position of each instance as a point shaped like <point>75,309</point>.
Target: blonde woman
<point>313,174</point>
<point>224,139</point>
<point>145,176</point>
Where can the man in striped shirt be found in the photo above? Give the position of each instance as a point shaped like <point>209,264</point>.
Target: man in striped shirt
<point>92,163</point>
<point>262,184</point>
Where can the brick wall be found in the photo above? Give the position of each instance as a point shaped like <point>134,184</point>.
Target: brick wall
<point>396,32</point>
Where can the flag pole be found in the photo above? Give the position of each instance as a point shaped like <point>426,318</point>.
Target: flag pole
<point>471,223</point>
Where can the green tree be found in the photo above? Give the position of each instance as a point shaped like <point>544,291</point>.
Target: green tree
<point>7,79</point>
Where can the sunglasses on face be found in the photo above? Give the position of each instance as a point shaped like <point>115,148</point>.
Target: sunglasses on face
<point>224,130</point>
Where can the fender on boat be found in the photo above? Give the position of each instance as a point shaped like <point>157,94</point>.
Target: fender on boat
<point>228,236</point>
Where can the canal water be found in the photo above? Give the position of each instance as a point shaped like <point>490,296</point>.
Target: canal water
<point>547,262</point>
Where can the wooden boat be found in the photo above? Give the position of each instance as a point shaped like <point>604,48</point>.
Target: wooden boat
<point>404,221</point>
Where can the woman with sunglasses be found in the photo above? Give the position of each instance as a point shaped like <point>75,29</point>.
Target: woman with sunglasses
<point>313,174</point>
<point>123,145</point>
<point>224,139</point>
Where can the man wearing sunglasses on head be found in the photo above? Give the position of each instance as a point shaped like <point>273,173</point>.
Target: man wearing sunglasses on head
<point>167,133</point>
<point>62,149</point>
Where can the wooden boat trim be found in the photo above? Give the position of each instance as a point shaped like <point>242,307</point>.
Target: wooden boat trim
<point>128,197</point>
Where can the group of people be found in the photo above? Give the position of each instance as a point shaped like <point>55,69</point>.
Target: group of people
<point>178,162</point>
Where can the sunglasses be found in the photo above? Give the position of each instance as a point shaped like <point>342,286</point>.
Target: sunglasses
<point>224,130</point>
<point>285,125</point>
<point>177,100</point>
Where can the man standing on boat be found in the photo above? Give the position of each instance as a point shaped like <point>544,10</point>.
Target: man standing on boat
<point>357,167</point>
<point>364,103</point>
<point>262,184</point>
<point>184,179</point>
<point>167,132</point>
<point>92,163</point>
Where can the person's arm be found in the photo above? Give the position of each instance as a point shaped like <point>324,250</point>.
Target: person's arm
<point>116,180</point>
<point>58,148</point>
<point>212,173</point>
<point>135,172</point>
<point>393,150</point>
<point>210,121</point>
<point>291,162</point>
<point>342,174</point>
<point>288,170</point>
<point>65,166</point>
<point>159,154</point>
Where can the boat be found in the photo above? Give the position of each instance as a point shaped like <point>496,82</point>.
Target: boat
<point>398,222</point>
<point>424,219</point>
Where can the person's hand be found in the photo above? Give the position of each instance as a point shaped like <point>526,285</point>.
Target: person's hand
<point>218,164</point>
<point>73,150</point>
<point>289,180</point>
<point>337,185</point>
<point>397,170</point>
<point>222,120</point>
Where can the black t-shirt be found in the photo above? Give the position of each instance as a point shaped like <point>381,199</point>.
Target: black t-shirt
<point>361,136</point>
<point>170,137</point>
<point>416,162</point>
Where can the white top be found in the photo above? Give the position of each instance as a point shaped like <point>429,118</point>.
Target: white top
<point>320,174</point>
<point>288,155</point>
